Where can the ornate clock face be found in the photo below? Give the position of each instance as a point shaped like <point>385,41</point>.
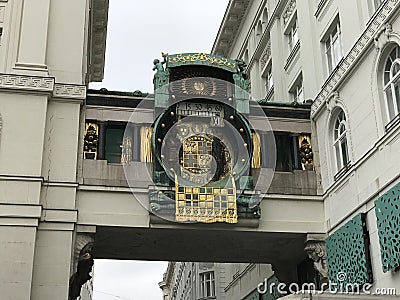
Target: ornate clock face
<point>200,109</point>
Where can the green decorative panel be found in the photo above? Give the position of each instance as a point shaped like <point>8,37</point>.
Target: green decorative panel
<point>348,255</point>
<point>387,210</point>
<point>176,60</point>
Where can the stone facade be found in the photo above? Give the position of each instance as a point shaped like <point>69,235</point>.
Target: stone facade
<point>44,71</point>
<point>339,56</point>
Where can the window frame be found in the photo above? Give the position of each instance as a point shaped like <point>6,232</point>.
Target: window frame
<point>293,35</point>
<point>390,84</point>
<point>204,281</point>
<point>340,139</point>
<point>297,91</point>
<point>333,37</point>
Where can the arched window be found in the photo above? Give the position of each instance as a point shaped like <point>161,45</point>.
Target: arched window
<point>340,141</point>
<point>391,83</point>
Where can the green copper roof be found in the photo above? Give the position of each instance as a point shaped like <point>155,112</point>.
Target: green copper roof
<point>183,59</point>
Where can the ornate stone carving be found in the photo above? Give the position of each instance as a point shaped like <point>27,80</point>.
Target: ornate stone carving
<point>316,251</point>
<point>21,82</point>
<point>382,37</point>
<point>90,141</point>
<point>83,263</point>
<point>305,152</point>
<point>266,55</point>
<point>347,64</point>
<point>98,40</point>
<point>290,8</point>
<point>69,91</point>
<point>332,101</point>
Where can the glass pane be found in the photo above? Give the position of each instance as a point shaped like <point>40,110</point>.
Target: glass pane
<point>345,155</point>
<point>389,101</point>
<point>338,158</point>
<point>386,77</point>
<point>395,69</point>
<point>283,152</point>
<point>336,52</point>
<point>397,94</point>
<point>114,137</point>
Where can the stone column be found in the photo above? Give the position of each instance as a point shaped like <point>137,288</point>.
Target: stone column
<point>33,36</point>
<point>296,162</point>
<point>136,142</point>
<point>102,139</point>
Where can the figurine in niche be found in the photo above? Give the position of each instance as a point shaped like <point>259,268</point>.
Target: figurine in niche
<point>90,142</point>
<point>306,155</point>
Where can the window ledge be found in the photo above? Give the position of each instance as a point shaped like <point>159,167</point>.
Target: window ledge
<point>270,93</point>
<point>292,55</point>
<point>395,121</point>
<point>320,7</point>
<point>343,171</point>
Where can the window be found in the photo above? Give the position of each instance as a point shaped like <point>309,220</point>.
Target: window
<point>114,143</point>
<point>1,34</point>
<point>293,36</point>
<point>391,83</point>
<point>207,285</point>
<point>297,92</point>
<point>333,45</point>
<point>340,141</point>
<point>287,152</point>
<point>269,82</point>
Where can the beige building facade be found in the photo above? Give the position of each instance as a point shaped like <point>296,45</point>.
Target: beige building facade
<point>46,62</point>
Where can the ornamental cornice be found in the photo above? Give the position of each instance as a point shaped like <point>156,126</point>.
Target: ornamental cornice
<point>358,50</point>
<point>69,91</point>
<point>28,83</point>
<point>230,26</point>
<point>98,39</point>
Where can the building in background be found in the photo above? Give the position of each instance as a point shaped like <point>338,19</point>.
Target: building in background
<point>344,58</point>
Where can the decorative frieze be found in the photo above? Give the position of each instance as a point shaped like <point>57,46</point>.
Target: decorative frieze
<point>69,91</point>
<point>265,55</point>
<point>355,54</point>
<point>30,83</point>
<point>289,9</point>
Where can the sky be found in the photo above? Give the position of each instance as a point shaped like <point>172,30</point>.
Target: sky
<point>138,31</point>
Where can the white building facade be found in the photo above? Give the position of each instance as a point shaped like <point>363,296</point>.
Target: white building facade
<point>343,56</point>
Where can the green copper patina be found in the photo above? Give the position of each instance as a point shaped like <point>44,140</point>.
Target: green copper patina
<point>242,85</point>
<point>183,59</point>
<point>161,81</point>
<point>348,255</point>
<point>387,210</point>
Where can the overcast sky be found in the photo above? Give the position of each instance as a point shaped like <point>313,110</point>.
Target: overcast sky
<point>138,31</point>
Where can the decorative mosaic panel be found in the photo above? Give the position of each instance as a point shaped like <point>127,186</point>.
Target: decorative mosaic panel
<point>387,210</point>
<point>206,204</point>
<point>348,255</point>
